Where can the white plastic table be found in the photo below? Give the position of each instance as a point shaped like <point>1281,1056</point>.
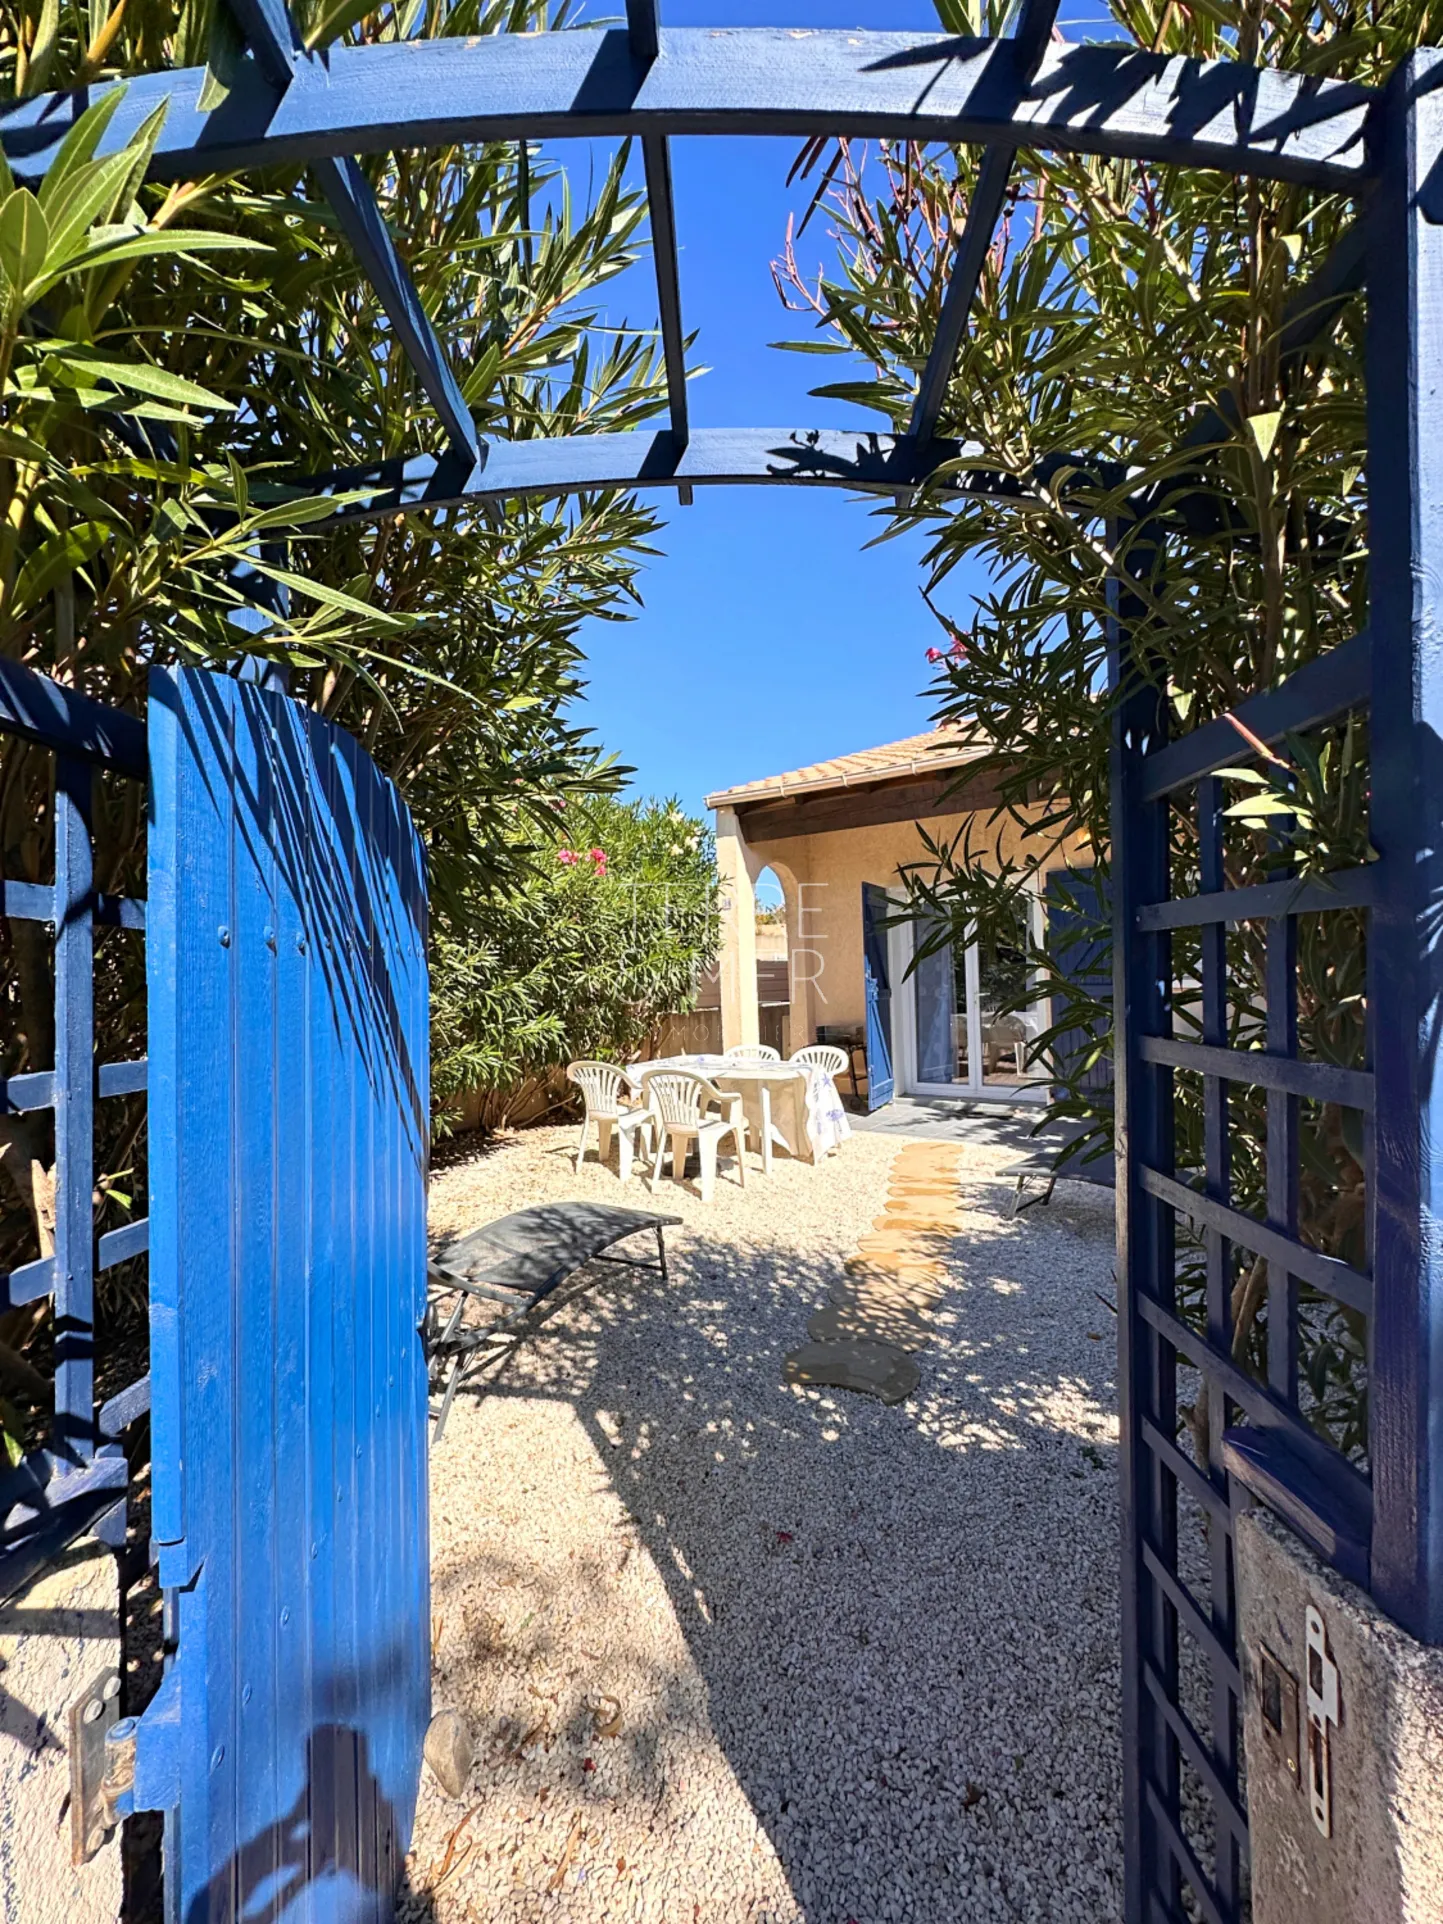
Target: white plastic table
<point>789,1105</point>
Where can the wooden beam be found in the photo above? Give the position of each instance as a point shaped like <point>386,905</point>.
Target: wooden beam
<point>1034,30</point>
<point>271,34</point>
<point>649,458</point>
<point>1405,956</point>
<point>1324,687</point>
<point>374,246</point>
<point>44,711</point>
<point>1106,99</point>
<point>656,156</point>
<point>643,31</point>
<point>904,801</point>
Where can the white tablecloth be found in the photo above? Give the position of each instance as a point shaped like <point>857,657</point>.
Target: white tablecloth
<point>807,1116</point>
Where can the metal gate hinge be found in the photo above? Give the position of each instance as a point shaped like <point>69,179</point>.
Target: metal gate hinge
<point>102,1766</point>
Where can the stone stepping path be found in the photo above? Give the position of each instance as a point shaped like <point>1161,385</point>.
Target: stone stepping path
<point>881,1308</point>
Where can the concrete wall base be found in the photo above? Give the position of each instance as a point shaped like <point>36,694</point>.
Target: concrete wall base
<point>54,1637</point>
<point>1383,1863</point>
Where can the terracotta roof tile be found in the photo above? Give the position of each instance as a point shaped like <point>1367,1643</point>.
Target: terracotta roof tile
<point>938,749</point>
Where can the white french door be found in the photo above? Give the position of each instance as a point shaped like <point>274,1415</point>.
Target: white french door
<point>956,1035</point>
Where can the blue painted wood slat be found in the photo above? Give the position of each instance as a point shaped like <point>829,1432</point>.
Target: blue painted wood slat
<point>1348,888</point>
<point>42,710</point>
<point>124,1078</point>
<point>1030,37</point>
<point>1327,686</point>
<point>74,1436</point>
<point>1405,482</point>
<point>288,1383</point>
<point>654,458</point>
<point>1147,1389</point>
<point>1108,100</point>
<point>21,1095</point>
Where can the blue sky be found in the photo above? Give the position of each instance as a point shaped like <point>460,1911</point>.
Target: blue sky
<point>770,636</point>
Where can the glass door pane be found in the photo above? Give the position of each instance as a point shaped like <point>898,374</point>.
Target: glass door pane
<point>967,1037</point>
<point>946,1046</point>
<point>1002,979</point>
<point>936,1004</point>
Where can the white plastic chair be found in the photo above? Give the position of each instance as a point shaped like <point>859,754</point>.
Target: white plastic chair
<point>679,1102</point>
<point>753,1052</point>
<point>822,1055</point>
<point>826,1056</point>
<point>608,1096</point>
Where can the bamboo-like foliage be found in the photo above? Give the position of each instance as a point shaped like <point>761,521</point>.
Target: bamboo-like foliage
<point>174,361</point>
<point>1133,315</point>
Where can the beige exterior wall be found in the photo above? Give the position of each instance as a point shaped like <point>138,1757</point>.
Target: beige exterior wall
<point>822,877</point>
<point>56,1636</point>
<point>771,941</point>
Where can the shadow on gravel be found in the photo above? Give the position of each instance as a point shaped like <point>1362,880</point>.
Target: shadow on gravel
<point>905,1619</point>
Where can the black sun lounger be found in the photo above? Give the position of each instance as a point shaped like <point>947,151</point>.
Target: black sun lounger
<point>517,1268</point>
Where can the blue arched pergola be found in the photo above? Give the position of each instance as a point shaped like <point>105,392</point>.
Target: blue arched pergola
<point>1382,1527</point>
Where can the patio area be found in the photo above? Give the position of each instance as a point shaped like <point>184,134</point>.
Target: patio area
<point>737,1651</point>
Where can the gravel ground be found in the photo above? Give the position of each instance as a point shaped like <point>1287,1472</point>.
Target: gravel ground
<point>743,1653</point>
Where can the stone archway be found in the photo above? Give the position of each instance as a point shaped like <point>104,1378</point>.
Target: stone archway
<point>740,868</point>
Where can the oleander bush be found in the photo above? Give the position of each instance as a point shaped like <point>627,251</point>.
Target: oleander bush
<point>174,361</point>
<point>1127,345</point>
<point>605,940</point>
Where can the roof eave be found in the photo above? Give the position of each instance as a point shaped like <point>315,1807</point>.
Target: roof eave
<point>781,789</point>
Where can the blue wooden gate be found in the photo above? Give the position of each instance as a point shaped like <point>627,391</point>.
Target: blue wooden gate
<point>1375,1511</point>
<point>288,1128</point>
<point>877,982</point>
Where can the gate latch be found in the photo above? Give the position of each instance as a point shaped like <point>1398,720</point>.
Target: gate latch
<point>1278,1695</point>
<point>102,1767</point>
<point>1323,1714</point>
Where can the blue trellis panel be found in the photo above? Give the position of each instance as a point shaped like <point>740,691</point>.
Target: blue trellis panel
<point>288,1120</point>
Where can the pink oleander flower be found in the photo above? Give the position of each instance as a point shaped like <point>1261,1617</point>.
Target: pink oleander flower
<point>598,860</point>
<point>934,654</point>
<point>567,857</point>
<point>958,650</point>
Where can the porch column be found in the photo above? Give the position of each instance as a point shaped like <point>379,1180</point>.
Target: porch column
<point>737,868</point>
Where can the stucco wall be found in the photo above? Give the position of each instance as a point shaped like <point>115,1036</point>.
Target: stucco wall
<point>822,877</point>
<point>55,1636</point>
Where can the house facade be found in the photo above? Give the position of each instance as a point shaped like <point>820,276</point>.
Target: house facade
<point>837,836</point>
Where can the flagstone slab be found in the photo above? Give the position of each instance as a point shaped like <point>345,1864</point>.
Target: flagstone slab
<point>892,1262</point>
<point>915,1280</point>
<point>930,1220</point>
<point>867,1292</point>
<point>880,1308</point>
<point>924,1229</point>
<point>920,1246</point>
<point>925,1291</point>
<point>871,1321</point>
<point>872,1369</point>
